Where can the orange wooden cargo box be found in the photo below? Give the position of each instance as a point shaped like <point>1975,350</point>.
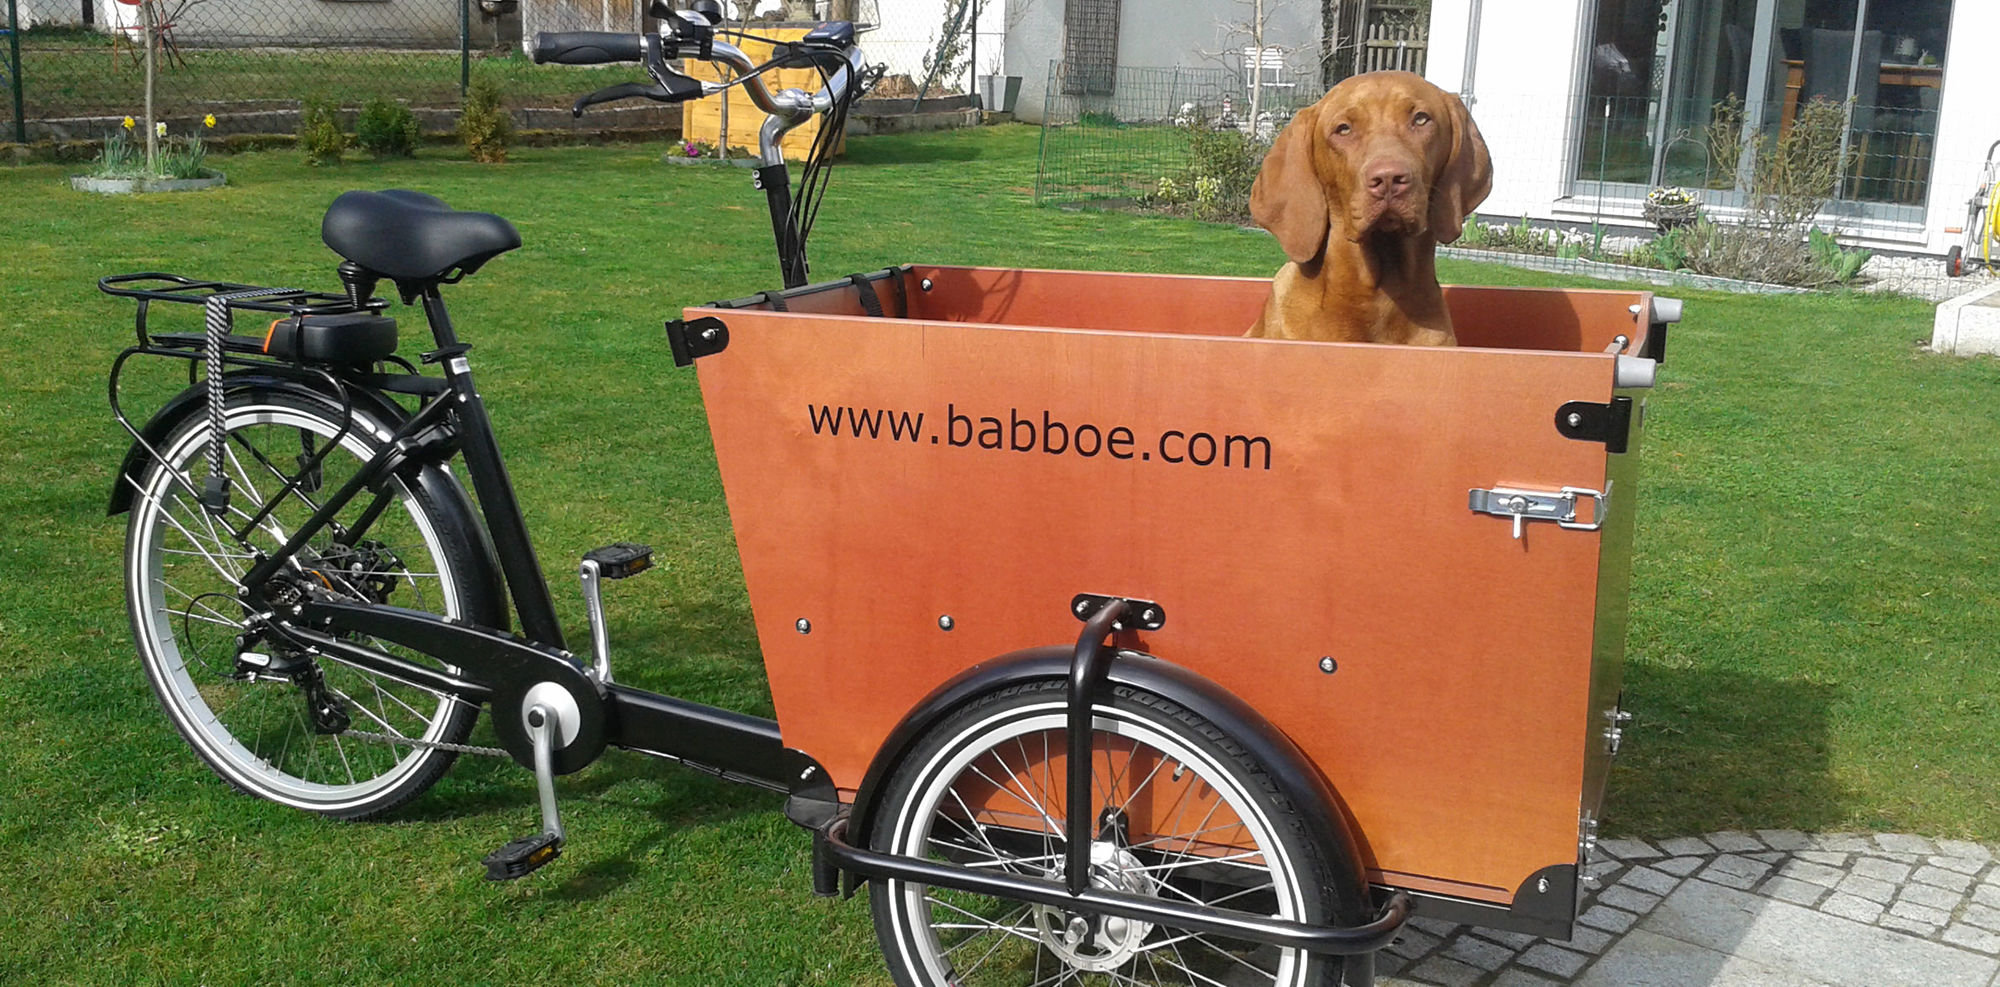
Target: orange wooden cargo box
<point>1330,528</point>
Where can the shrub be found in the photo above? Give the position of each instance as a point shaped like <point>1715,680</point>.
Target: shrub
<point>1836,261</point>
<point>485,125</point>
<point>320,136</point>
<point>387,129</point>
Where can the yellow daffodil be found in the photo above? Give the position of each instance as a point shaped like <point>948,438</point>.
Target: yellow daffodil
<point>208,121</point>
<point>128,124</point>
<point>160,128</point>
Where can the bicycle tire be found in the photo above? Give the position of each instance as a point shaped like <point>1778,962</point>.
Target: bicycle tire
<point>1006,746</point>
<point>254,728</point>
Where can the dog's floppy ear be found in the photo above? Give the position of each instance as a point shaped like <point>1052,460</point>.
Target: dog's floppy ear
<point>1287,198</point>
<point>1466,178</point>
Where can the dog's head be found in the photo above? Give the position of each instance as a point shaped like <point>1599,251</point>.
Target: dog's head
<point>1385,153</point>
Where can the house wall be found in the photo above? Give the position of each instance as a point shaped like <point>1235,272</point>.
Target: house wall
<point>41,13</point>
<point>1154,34</point>
<point>1528,74</point>
<point>1967,121</point>
<point>391,23</point>
<point>1522,91</point>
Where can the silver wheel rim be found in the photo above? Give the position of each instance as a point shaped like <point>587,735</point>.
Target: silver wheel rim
<point>167,526</point>
<point>987,947</point>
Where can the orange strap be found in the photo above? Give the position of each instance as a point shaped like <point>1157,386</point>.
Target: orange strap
<point>268,333</point>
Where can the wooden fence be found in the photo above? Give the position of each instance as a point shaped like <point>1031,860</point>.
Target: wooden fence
<point>1393,37</point>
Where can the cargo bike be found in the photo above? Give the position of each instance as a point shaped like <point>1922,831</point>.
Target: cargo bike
<point>1351,616</point>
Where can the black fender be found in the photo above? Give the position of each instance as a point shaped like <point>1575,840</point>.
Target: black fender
<point>155,430</point>
<point>1288,766</point>
<point>436,480</point>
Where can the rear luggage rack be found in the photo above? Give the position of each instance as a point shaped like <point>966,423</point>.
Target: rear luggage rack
<point>152,286</point>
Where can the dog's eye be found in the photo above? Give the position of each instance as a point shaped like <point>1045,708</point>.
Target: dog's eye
<point>1343,130</point>
<point>1421,119</point>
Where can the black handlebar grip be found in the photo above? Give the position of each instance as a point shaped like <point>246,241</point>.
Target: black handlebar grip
<point>588,47</point>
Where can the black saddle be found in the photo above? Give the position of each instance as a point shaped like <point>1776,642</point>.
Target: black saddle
<point>412,237</point>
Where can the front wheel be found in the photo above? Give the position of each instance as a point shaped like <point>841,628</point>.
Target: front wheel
<point>277,722</point>
<point>1179,812</point>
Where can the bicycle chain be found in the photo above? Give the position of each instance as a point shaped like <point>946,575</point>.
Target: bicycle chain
<point>431,744</point>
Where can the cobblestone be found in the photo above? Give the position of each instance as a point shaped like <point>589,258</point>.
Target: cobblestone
<point>1680,866</point>
<point>1686,846</point>
<point>1933,903</point>
<point>1552,959</point>
<point>1650,880</point>
<point>1867,887</point>
<point>1812,873</point>
<point>1939,877</point>
<point>1881,870</point>
<point>1478,952</point>
<point>1731,841</point>
<point>1957,865</point>
<point>1848,906</point>
<point>1629,849</point>
<point>1935,897</point>
<point>1905,843</point>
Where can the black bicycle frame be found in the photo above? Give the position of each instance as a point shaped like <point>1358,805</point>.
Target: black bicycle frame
<point>494,665</point>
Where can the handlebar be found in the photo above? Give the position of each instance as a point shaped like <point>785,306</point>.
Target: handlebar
<point>691,34</point>
<point>588,47</point>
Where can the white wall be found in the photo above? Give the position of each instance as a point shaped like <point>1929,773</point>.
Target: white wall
<point>35,13</point>
<point>1968,120</point>
<point>1521,92</point>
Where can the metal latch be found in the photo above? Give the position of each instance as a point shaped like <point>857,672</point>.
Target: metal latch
<point>1540,505</point>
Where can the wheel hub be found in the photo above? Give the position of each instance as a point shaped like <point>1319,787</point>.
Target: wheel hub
<point>1099,942</point>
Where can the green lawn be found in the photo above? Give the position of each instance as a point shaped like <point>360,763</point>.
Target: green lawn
<point>1812,623</point>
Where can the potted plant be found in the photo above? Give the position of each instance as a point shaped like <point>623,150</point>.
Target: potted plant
<point>175,164</point>
<point>1671,208</point>
<point>998,92</point>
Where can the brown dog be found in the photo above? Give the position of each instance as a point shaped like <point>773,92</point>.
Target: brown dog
<point>1359,189</point>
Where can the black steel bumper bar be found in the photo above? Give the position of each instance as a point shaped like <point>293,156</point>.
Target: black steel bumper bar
<point>1353,941</point>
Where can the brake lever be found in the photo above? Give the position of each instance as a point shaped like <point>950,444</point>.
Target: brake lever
<point>673,88</point>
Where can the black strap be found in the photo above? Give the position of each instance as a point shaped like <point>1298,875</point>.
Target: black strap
<point>866,291</point>
<point>775,300</point>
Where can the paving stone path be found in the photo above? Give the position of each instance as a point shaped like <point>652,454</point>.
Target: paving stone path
<point>1736,909</point>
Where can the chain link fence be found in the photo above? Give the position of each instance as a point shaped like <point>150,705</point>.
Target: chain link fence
<point>75,68</point>
<point>1148,137</point>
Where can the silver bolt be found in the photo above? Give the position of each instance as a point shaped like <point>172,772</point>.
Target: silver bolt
<point>945,623</point>
<point>1542,886</point>
<point>1082,607</point>
<point>1149,615</point>
<point>1575,419</point>
<point>805,626</point>
<point>1327,664</point>
<point>925,284</point>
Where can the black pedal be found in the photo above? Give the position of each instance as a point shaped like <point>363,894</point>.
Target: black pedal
<point>622,559</point>
<point>523,856</point>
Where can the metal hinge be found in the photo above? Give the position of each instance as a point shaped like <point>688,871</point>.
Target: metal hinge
<point>1540,505</point>
<point>1614,732</point>
<point>692,340</point>
<point>1589,421</point>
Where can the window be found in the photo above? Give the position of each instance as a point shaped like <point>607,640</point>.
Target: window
<point>1669,79</point>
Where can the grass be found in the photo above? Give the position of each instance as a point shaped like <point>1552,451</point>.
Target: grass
<point>1812,618</point>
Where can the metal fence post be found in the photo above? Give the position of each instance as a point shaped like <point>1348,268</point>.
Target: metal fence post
<point>14,67</point>
<point>464,47</point>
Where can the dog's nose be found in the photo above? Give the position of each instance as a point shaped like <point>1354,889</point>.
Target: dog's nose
<point>1389,180</point>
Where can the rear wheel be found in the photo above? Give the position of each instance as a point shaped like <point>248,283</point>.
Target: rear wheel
<point>1179,812</point>
<point>270,719</point>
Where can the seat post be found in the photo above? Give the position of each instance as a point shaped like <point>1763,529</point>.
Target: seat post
<point>439,319</point>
